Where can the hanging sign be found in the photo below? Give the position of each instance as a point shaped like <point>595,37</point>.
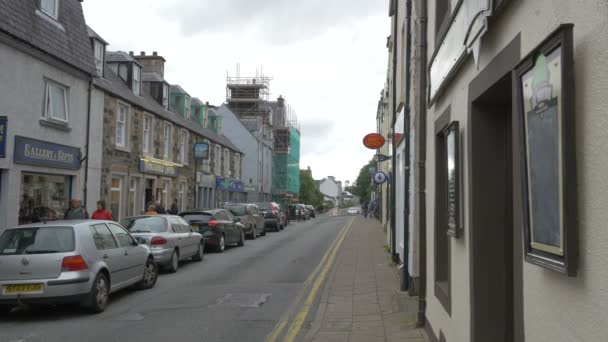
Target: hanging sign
<point>381,157</point>
<point>380,177</point>
<point>373,141</point>
<point>201,151</point>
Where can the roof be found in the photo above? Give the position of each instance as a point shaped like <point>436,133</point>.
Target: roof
<point>176,88</point>
<point>120,56</point>
<point>114,85</point>
<point>93,34</point>
<point>151,77</point>
<point>196,102</point>
<point>57,224</point>
<point>67,39</point>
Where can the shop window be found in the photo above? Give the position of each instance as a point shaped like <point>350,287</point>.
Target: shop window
<point>122,125</point>
<point>43,197</point>
<point>133,196</point>
<point>115,197</point>
<point>56,102</point>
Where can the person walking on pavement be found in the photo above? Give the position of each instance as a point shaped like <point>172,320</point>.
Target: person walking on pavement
<point>151,210</point>
<point>364,209</point>
<point>173,210</point>
<point>76,211</point>
<point>160,208</point>
<point>102,213</point>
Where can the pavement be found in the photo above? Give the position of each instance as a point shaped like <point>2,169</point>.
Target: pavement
<point>361,300</point>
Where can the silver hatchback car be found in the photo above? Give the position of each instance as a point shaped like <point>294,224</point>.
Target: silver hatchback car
<point>71,261</point>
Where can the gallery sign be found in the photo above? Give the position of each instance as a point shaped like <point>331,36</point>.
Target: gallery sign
<point>227,184</point>
<point>3,135</point>
<point>43,153</point>
<point>157,167</point>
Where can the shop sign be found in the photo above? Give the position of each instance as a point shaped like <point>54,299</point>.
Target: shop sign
<point>3,135</point>
<point>157,168</point>
<point>227,184</point>
<point>38,152</point>
<point>380,177</point>
<point>373,141</point>
<point>206,181</point>
<point>201,151</point>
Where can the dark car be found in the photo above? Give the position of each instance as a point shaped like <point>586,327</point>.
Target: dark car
<point>218,226</point>
<point>251,218</point>
<point>311,211</point>
<point>301,212</point>
<point>272,215</point>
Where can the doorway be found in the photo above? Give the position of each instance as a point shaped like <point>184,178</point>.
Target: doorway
<point>496,258</point>
<point>148,193</point>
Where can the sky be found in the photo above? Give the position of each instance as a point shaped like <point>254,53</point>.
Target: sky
<point>327,58</point>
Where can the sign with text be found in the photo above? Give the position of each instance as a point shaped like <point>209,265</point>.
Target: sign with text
<point>157,168</point>
<point>3,135</point>
<point>38,152</point>
<point>227,184</point>
<point>201,151</point>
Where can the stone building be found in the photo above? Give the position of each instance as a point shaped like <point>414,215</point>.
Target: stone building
<point>149,130</point>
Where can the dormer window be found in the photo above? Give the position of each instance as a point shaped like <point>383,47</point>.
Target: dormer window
<point>136,86</point>
<point>50,8</point>
<point>123,71</point>
<point>99,56</point>
<point>166,96</point>
<point>187,107</point>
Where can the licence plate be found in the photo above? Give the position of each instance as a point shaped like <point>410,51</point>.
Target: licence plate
<point>22,288</point>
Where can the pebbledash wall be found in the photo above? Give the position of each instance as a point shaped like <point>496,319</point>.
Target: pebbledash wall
<point>554,307</point>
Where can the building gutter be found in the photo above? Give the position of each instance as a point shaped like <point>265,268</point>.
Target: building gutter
<point>87,145</point>
<point>405,278</point>
<point>421,163</point>
<point>393,182</point>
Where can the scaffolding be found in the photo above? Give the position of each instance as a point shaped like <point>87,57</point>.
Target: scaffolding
<point>249,97</point>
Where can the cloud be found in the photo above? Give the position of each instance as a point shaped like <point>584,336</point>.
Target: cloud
<point>272,21</point>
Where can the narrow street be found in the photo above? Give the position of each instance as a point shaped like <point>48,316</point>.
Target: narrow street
<point>239,295</point>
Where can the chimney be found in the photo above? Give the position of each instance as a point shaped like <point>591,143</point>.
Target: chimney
<point>130,53</point>
<point>152,63</point>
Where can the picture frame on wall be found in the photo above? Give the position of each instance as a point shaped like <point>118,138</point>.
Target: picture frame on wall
<point>544,86</point>
<point>451,136</point>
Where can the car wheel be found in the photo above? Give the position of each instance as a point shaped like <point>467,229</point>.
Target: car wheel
<point>97,300</point>
<point>254,233</point>
<point>174,263</point>
<point>242,240</point>
<point>198,257</point>
<point>150,275</point>
<point>221,246</point>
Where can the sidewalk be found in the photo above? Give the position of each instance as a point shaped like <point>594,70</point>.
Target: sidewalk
<point>361,300</point>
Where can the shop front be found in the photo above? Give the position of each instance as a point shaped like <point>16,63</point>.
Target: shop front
<point>206,191</point>
<point>160,181</point>
<point>228,190</point>
<point>45,176</point>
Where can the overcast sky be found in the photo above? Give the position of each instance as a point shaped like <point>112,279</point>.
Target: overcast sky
<point>327,58</point>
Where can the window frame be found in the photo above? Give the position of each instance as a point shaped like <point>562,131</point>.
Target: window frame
<point>102,226</point>
<point>117,216</point>
<point>47,102</point>
<point>136,80</point>
<point>52,15</point>
<point>165,96</point>
<point>132,205</point>
<point>98,63</point>
<point>217,169</point>
<point>132,243</point>
<point>125,144</point>
<point>148,140</point>
<point>183,146</point>
<point>182,194</point>
<point>226,162</point>
<point>167,140</point>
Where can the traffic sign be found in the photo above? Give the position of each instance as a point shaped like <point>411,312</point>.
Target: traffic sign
<point>380,177</point>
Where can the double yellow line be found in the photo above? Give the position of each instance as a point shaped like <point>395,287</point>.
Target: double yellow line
<point>316,279</point>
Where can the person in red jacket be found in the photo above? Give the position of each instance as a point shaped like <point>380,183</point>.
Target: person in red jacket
<point>101,213</point>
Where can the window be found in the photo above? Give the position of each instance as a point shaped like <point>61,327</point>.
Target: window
<point>50,7</point>
<point>442,14</point>
<point>56,103</point>
<point>133,197</point>
<point>207,162</point>
<point>115,196</point>
<point>183,147</point>
<point>122,236</point>
<point>136,80</point>
<point>217,167</point>
<point>37,240</point>
<point>176,225</point>
<point>99,57</point>
<point>186,225</point>
<point>121,125</point>
<point>187,107</point>
<point>103,238</point>
<point>167,141</point>
<point>166,96</point>
<point>226,163</point>
<point>182,197</point>
<point>148,133</point>
<point>122,72</point>
<point>237,166</point>
<point>151,224</point>
<point>43,197</point>
<point>165,193</point>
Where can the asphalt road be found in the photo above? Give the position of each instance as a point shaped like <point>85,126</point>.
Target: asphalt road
<point>236,296</point>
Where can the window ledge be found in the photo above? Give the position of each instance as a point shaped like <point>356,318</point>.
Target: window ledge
<point>50,19</point>
<point>56,125</point>
<point>123,149</point>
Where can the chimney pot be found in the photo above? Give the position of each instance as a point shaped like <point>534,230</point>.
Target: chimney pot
<point>131,53</point>
<point>142,53</point>
<point>154,53</point>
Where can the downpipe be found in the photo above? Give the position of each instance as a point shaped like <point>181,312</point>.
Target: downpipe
<point>395,255</point>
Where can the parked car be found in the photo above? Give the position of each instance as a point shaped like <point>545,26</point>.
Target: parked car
<point>354,210</point>
<point>72,261</point>
<point>218,226</point>
<point>301,212</point>
<point>311,211</point>
<point>251,218</point>
<point>170,238</point>
<point>272,215</point>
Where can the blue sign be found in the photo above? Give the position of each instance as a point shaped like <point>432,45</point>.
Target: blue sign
<point>3,135</point>
<point>157,168</point>
<point>227,184</point>
<point>380,177</point>
<point>38,152</point>
<point>201,151</point>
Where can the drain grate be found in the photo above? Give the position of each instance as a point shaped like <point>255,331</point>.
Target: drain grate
<point>242,300</point>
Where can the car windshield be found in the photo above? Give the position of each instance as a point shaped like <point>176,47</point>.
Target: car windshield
<point>151,224</point>
<point>238,210</point>
<point>39,240</point>
<point>202,217</point>
<point>265,206</point>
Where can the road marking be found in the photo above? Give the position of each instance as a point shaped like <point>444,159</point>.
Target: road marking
<point>278,329</point>
<point>299,319</point>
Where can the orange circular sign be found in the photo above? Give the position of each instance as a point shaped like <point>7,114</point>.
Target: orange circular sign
<point>374,141</point>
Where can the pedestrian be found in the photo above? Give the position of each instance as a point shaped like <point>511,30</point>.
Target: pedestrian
<point>174,210</point>
<point>152,210</point>
<point>364,209</point>
<point>102,213</point>
<point>160,208</point>
<point>76,211</point>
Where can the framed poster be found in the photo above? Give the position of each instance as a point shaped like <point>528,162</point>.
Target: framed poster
<point>544,83</point>
<point>451,135</point>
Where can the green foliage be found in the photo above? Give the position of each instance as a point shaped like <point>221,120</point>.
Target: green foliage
<point>309,192</point>
<point>347,204</point>
<point>363,185</point>
<point>328,205</point>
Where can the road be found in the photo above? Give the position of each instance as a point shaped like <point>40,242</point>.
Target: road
<point>239,295</point>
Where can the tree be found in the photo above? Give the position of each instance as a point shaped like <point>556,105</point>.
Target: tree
<point>309,192</point>
<point>363,185</point>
